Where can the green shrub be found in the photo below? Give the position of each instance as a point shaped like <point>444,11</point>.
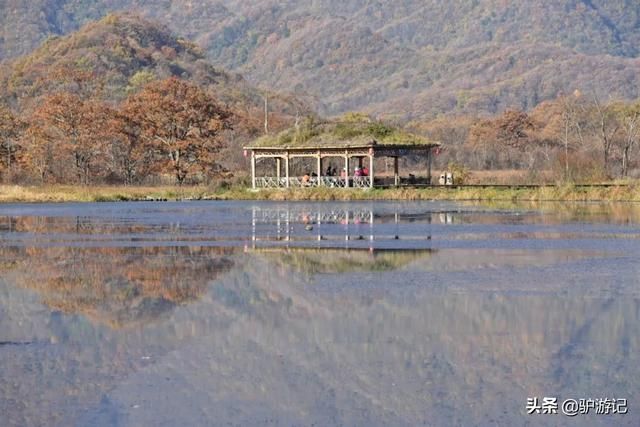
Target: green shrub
<point>460,173</point>
<point>141,79</point>
<point>352,117</point>
<point>285,138</point>
<point>379,130</point>
<point>346,131</point>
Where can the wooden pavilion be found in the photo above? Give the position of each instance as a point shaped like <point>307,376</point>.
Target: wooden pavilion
<point>357,143</point>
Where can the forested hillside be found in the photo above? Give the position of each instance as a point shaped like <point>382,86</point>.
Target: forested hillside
<point>409,59</point>
<point>120,54</point>
<point>124,100</point>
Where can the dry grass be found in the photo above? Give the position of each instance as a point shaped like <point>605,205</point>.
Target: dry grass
<point>108,194</point>
<point>508,177</point>
<point>67,193</point>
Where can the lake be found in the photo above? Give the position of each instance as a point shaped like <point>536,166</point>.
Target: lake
<point>300,314</point>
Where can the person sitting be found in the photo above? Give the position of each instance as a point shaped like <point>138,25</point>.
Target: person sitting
<point>306,179</point>
<point>358,172</point>
<point>365,171</point>
<point>329,172</point>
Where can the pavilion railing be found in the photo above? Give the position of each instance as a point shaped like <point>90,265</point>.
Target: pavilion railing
<point>361,181</point>
<point>322,181</point>
<point>330,181</point>
<point>316,215</point>
<point>270,182</point>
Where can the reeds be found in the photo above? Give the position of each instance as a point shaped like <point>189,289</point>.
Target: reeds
<point>61,193</point>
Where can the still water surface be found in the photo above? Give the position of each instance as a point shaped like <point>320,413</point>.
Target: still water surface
<point>364,314</point>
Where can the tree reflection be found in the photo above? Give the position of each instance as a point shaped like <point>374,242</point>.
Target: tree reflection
<point>325,260</point>
<point>117,286</point>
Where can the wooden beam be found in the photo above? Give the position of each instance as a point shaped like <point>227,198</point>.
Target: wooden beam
<point>278,167</point>
<point>309,152</point>
<point>319,165</point>
<point>269,156</point>
<point>429,154</point>
<point>286,167</point>
<point>371,176</point>
<point>396,174</point>
<point>346,166</point>
<point>253,170</point>
<point>302,155</point>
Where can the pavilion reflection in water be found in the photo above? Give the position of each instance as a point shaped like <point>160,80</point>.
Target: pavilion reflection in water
<point>352,227</point>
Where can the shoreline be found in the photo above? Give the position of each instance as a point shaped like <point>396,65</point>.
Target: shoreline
<point>77,194</point>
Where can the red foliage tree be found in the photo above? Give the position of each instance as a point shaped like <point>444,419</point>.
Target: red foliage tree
<point>10,129</point>
<point>181,124</point>
<point>70,131</point>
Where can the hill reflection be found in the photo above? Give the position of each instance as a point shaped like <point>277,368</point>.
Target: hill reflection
<point>117,286</point>
<point>323,260</point>
<point>439,315</point>
<point>338,350</point>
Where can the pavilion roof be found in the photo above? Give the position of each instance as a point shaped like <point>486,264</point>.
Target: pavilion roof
<point>340,134</point>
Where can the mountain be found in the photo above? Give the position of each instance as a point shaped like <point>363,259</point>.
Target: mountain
<point>118,55</point>
<point>405,58</point>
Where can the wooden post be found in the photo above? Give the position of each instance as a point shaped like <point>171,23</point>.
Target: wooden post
<point>396,175</point>
<point>286,167</point>
<point>253,169</point>
<point>346,236</point>
<point>319,164</point>
<point>346,166</point>
<point>371,170</point>
<point>288,220</point>
<point>253,226</point>
<point>429,166</point>
<point>278,168</point>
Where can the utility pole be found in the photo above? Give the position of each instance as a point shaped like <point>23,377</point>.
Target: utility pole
<point>266,115</point>
<point>566,147</point>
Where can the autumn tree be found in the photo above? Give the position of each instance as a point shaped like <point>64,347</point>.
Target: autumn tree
<point>181,124</point>
<point>573,123</point>
<point>84,83</point>
<point>10,129</point>
<point>480,133</point>
<point>453,133</point>
<point>606,125</point>
<point>39,151</point>
<point>629,116</point>
<point>70,130</point>
<point>129,157</point>
<point>507,135</point>
<point>513,129</point>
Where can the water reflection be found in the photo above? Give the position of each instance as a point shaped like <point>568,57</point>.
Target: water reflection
<point>202,314</point>
<point>313,261</point>
<point>329,224</point>
<point>117,286</point>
